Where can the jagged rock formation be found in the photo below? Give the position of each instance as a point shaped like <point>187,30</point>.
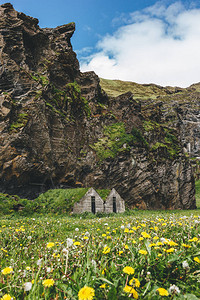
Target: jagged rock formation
<point>59,128</point>
<point>180,109</point>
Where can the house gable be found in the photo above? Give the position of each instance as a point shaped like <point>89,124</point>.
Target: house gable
<point>90,202</point>
<point>114,203</point>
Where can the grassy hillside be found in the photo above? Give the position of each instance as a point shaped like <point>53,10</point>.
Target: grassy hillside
<point>115,88</point>
<point>52,201</point>
<point>59,200</point>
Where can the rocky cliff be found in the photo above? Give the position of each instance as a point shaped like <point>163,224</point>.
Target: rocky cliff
<point>59,128</point>
<point>180,109</point>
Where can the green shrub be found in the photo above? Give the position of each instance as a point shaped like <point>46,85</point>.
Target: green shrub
<point>114,141</point>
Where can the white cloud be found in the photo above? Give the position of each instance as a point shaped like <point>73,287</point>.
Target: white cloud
<point>158,45</point>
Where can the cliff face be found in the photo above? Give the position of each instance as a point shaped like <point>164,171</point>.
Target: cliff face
<point>180,109</point>
<point>59,128</point>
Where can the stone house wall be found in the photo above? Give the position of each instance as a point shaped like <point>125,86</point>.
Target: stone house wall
<point>120,203</point>
<point>85,203</point>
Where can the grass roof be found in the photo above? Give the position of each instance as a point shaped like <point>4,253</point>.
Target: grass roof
<point>103,193</point>
<point>60,199</point>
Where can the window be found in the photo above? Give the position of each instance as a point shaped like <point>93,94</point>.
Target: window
<point>93,204</point>
<point>114,205</point>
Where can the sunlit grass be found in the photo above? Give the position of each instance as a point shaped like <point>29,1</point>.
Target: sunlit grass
<point>116,257</point>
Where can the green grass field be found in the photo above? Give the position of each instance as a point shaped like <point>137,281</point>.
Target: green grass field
<point>137,254</point>
<point>144,255</point>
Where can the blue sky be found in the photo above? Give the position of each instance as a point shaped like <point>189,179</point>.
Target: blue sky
<point>93,18</point>
<point>134,40</point>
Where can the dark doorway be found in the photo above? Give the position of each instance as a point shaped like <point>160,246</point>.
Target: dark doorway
<point>114,205</point>
<point>93,204</point>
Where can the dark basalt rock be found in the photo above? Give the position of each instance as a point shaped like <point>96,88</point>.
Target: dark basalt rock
<point>60,129</point>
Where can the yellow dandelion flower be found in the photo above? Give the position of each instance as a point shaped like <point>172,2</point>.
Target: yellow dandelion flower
<point>186,246</point>
<point>134,281</point>
<point>126,230</point>
<point>86,293</point>
<point>6,297</point>
<point>103,271</point>
<point>56,255</point>
<point>4,250</point>
<point>50,245</point>
<point>170,250</point>
<point>48,282</point>
<point>195,239</point>
<point>134,242</point>
<point>171,243</point>
<point>128,270</point>
<point>134,293</point>
<point>120,252</point>
<point>141,238</point>
<point>162,292</point>
<point>145,235</point>
<point>7,271</point>
<point>197,259</point>
<point>144,252</point>
<point>159,244</point>
<point>129,290</point>
<point>126,247</point>
<point>106,250</point>
<point>103,234</point>
<point>103,286</point>
<point>77,243</point>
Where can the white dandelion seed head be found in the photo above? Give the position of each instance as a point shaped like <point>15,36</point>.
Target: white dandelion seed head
<point>185,264</point>
<point>174,289</point>
<point>39,262</point>
<point>27,286</point>
<point>69,242</point>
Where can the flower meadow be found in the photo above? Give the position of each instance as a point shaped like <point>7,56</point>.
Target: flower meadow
<point>151,255</point>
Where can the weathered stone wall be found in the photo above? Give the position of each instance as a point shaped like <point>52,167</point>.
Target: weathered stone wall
<point>120,204</point>
<point>85,203</point>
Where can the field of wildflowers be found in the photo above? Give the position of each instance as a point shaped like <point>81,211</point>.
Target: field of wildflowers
<point>144,255</point>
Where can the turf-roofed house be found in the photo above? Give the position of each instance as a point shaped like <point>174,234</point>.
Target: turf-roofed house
<point>107,201</point>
